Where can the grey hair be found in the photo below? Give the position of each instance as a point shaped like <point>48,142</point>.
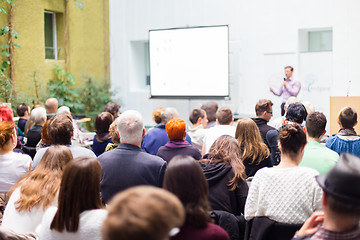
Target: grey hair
<point>38,115</point>
<point>168,114</point>
<point>63,109</point>
<point>291,100</point>
<point>130,126</point>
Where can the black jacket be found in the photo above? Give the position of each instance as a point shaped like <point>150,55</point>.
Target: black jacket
<point>263,127</point>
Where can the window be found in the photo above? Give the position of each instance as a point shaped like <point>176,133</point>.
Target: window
<point>320,41</point>
<point>50,35</point>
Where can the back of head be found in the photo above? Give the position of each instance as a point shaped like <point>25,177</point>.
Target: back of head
<point>21,109</point>
<point>55,158</point>
<point>182,172</point>
<point>51,105</point>
<point>130,126</point>
<point>210,109</point>
<point>156,115</point>
<point>348,117</point>
<point>60,129</point>
<point>249,139</point>
<point>102,122</point>
<point>315,124</point>
<point>292,138</point>
<point>309,107</point>
<point>224,116</point>
<point>7,129</point>
<point>38,115</point>
<point>79,191</point>
<point>113,108</point>
<point>291,100</point>
<point>143,212</point>
<point>44,133</point>
<point>263,105</point>
<point>168,114</point>
<point>113,130</point>
<point>195,115</point>
<point>63,109</point>
<point>296,112</point>
<point>176,129</point>
<point>6,114</point>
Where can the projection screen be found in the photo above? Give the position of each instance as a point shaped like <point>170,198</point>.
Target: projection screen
<point>189,62</point>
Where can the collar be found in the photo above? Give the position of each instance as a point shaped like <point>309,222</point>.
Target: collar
<point>160,126</point>
<point>127,146</point>
<point>323,233</point>
<point>177,144</point>
<point>347,132</point>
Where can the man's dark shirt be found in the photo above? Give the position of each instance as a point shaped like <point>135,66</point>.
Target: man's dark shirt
<point>263,127</point>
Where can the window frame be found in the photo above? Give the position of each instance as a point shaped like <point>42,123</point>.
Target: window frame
<point>54,47</point>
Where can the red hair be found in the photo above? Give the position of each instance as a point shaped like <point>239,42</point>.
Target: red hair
<point>6,114</point>
<point>176,129</point>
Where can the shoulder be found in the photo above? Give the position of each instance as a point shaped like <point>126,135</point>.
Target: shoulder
<point>78,151</point>
<point>216,232</point>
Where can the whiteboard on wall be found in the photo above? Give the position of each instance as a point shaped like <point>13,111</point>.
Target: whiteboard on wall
<point>189,62</point>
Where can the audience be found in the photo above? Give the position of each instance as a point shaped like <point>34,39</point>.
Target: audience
<point>23,111</point>
<point>157,137</point>
<point>224,119</point>
<point>141,213</point>
<point>225,173</point>
<point>36,191</point>
<point>114,136</point>
<point>286,193</point>
<point>346,140</point>
<point>199,121</point>
<point>176,131</point>
<point>60,131</point>
<point>12,165</point>
<point>210,108</point>
<point>264,112</point>
<point>127,165</point>
<point>44,141</point>
<point>317,156</point>
<point>253,151</point>
<point>102,138</point>
<point>51,105</point>
<point>79,213</point>
<point>6,114</point>
<point>277,122</point>
<point>38,116</point>
<point>156,115</point>
<point>340,203</point>
<point>113,108</point>
<point>181,173</point>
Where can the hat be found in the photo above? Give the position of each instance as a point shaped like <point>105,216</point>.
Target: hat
<point>343,180</point>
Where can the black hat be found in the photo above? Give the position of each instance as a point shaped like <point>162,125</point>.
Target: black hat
<point>343,180</point>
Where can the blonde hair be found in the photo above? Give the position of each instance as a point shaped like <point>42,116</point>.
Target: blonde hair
<point>250,142</point>
<point>40,186</point>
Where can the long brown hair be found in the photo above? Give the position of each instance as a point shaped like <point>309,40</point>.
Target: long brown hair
<point>251,144</point>
<point>40,186</point>
<point>79,191</point>
<point>226,149</point>
<point>181,173</point>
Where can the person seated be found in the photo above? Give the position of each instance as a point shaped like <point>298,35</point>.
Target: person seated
<point>45,140</point>
<point>340,203</point>
<point>113,108</point>
<point>285,193</point>
<point>143,212</point>
<point>182,172</point>
<point>51,106</point>
<point>102,137</point>
<point>38,116</point>
<point>176,131</point>
<point>317,156</point>
<point>346,140</point>
<point>199,120</point>
<point>225,173</point>
<point>210,108</point>
<point>79,213</point>
<point>23,111</point>
<point>36,191</point>
<point>7,114</point>
<point>114,136</point>
<point>264,112</point>
<point>254,152</point>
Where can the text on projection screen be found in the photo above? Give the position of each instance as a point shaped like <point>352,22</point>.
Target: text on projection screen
<point>189,62</point>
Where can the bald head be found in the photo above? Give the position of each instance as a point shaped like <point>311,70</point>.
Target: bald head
<point>51,105</point>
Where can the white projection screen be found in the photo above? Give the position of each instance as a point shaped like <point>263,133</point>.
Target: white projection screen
<point>189,62</point>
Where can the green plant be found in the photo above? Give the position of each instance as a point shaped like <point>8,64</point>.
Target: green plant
<point>62,88</point>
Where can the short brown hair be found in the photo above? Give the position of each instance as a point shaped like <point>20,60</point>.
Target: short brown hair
<point>315,124</point>
<point>102,122</point>
<point>291,68</point>
<point>143,212</point>
<point>21,109</point>
<point>60,129</point>
<point>156,114</point>
<point>292,137</point>
<point>112,107</point>
<point>196,114</point>
<point>263,105</point>
<point>224,116</point>
<point>210,108</point>
<point>348,117</point>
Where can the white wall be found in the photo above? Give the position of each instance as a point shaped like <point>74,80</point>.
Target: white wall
<point>264,36</point>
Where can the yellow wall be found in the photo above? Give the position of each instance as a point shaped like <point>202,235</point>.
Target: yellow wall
<point>88,41</point>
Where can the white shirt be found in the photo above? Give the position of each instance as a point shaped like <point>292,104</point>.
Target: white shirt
<point>286,195</point>
<point>12,167</point>
<point>213,133</point>
<point>90,224</point>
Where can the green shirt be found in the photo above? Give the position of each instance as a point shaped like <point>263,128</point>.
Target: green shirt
<point>319,157</point>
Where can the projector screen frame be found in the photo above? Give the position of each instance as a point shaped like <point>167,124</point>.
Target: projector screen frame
<point>188,97</point>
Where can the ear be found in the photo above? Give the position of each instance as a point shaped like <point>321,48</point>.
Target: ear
<point>232,122</point>
<point>217,122</point>
<point>324,199</point>
<point>356,123</point>
<point>305,130</point>
<point>338,121</point>
<point>323,133</point>
<point>302,148</point>
<point>143,134</point>
<point>199,121</point>
<point>117,133</point>
<point>279,146</point>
